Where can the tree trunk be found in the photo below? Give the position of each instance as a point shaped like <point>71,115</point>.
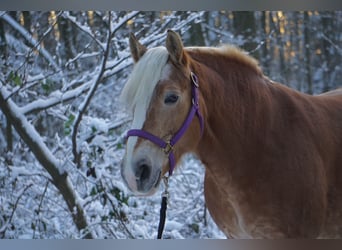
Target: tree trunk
<point>328,32</point>
<point>196,35</point>
<point>265,53</point>
<point>66,39</point>
<point>280,48</point>
<point>307,52</point>
<point>244,25</point>
<point>296,39</point>
<point>27,20</point>
<point>3,42</point>
<point>9,137</point>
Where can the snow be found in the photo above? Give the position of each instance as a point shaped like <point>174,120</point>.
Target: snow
<point>185,207</point>
<point>29,130</point>
<point>84,28</point>
<point>111,210</point>
<point>54,98</point>
<point>30,39</point>
<point>99,124</point>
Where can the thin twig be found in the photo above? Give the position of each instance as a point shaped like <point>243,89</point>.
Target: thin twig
<point>4,228</point>
<point>40,206</point>
<point>83,108</point>
<point>73,20</point>
<point>339,50</point>
<point>117,214</point>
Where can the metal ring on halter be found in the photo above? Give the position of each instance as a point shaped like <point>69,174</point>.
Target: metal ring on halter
<point>168,148</point>
<point>194,79</point>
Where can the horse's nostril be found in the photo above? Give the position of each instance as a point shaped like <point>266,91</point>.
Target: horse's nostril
<point>146,171</point>
<point>143,172</point>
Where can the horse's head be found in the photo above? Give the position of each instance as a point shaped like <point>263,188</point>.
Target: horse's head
<point>159,93</point>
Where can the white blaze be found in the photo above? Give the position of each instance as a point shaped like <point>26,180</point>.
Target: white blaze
<point>138,91</point>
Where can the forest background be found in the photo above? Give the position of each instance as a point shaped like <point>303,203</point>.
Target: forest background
<point>62,128</point>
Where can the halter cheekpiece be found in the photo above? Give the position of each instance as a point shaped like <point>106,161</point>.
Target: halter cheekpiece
<point>167,146</point>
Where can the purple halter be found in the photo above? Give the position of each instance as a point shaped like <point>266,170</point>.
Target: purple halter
<point>167,146</point>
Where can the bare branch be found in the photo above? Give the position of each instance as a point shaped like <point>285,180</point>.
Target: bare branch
<point>338,49</point>
<point>85,104</point>
<point>40,205</point>
<point>83,28</point>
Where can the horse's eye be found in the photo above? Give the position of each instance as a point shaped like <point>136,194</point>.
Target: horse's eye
<point>171,99</point>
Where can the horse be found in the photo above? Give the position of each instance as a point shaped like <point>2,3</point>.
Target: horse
<point>272,155</point>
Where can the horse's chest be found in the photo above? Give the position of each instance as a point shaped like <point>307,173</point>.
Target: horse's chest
<point>228,215</point>
<point>236,217</point>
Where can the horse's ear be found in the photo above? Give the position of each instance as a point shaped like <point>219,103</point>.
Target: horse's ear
<point>137,49</point>
<point>174,46</point>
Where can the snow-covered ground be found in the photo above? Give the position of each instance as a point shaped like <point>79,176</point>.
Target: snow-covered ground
<point>46,88</point>
<point>187,216</point>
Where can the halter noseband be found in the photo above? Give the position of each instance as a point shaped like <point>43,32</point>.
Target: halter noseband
<point>167,146</point>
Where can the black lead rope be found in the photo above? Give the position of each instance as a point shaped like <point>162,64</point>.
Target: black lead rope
<point>165,196</point>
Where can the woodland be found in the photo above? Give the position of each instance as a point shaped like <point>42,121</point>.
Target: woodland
<point>62,128</point>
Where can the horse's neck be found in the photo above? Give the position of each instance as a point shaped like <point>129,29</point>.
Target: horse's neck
<point>234,107</point>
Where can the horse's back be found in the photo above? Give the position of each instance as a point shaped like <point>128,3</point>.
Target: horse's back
<point>335,92</point>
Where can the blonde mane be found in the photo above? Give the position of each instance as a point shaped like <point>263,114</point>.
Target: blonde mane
<point>148,71</point>
<point>145,75</point>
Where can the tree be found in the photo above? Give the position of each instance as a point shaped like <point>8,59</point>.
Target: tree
<point>50,96</point>
<point>62,129</point>
<point>244,25</point>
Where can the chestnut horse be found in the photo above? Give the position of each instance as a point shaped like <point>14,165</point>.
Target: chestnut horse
<point>273,155</point>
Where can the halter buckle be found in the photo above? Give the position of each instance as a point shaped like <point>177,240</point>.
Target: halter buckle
<point>168,148</point>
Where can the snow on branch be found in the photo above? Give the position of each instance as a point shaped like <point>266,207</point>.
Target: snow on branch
<point>29,134</point>
<point>184,23</point>
<point>159,34</point>
<point>85,29</point>
<point>55,98</point>
<point>86,102</point>
<point>49,162</point>
<point>122,21</point>
<point>114,26</point>
<point>33,42</point>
